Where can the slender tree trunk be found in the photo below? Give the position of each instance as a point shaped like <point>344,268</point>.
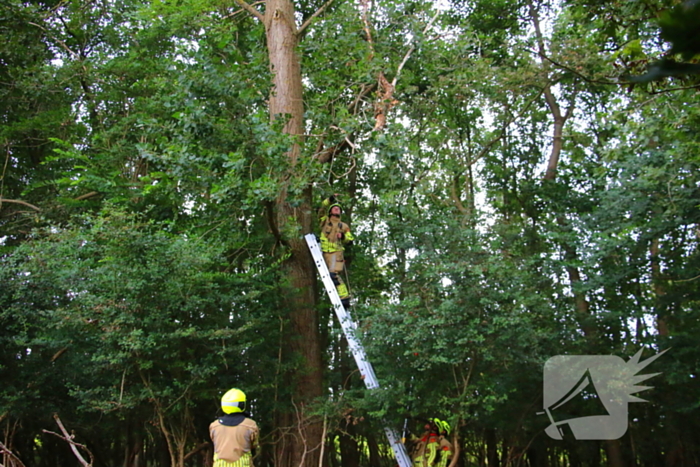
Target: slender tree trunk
<point>134,444</point>
<point>613,448</point>
<point>557,136</point>
<point>659,289</point>
<point>554,108</point>
<point>349,450</point>
<point>375,459</point>
<point>330,449</point>
<point>582,305</point>
<point>491,447</point>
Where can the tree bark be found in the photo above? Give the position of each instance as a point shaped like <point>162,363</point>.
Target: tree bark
<point>613,449</point>
<point>375,459</point>
<point>554,108</point>
<point>349,450</point>
<point>582,306</point>
<point>557,135</point>
<point>491,447</point>
<point>302,444</point>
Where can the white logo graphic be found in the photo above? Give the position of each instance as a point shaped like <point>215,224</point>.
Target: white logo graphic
<point>587,395</point>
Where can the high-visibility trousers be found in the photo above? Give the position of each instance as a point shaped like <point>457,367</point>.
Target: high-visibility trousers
<point>246,460</point>
<point>336,263</point>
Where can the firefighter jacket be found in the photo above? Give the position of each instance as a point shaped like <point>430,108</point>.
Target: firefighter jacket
<point>431,450</point>
<point>334,233</point>
<point>235,436</point>
<point>445,452</point>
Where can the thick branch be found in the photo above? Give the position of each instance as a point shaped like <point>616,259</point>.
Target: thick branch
<point>412,48</point>
<point>250,10</point>
<point>272,223</point>
<point>231,15</point>
<point>199,448</point>
<point>60,42</point>
<point>327,154</point>
<point>658,287</point>
<point>386,99</point>
<point>73,445</point>
<point>455,197</point>
<point>368,31</point>
<point>538,31</point>
<point>16,201</point>
<point>87,195</point>
<point>581,302</point>
<point>58,354</point>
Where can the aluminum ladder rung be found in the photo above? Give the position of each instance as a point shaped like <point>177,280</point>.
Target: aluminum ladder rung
<point>349,329</point>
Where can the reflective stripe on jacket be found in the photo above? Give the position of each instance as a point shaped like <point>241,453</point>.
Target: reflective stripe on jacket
<point>331,226</point>
<point>426,450</point>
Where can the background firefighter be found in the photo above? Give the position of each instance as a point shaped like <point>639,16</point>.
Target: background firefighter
<point>431,449</point>
<point>235,435</point>
<point>334,236</point>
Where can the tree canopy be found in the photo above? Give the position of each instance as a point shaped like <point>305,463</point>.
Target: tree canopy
<point>522,179</point>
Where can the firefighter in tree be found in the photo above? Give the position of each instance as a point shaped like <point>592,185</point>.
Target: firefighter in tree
<point>334,236</point>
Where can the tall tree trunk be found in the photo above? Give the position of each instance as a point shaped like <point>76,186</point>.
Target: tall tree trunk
<point>491,447</point>
<point>375,459</point>
<point>613,448</point>
<point>349,449</point>
<point>582,305</point>
<point>303,339</point>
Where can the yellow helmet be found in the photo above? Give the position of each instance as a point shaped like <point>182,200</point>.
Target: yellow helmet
<point>333,206</point>
<point>442,426</point>
<point>233,401</point>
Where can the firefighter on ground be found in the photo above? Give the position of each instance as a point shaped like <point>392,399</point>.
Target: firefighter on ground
<point>432,449</point>
<point>235,435</point>
<point>334,236</point>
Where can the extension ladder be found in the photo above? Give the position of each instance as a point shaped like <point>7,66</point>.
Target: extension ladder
<point>349,329</point>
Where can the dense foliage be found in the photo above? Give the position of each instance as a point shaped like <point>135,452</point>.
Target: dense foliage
<point>517,192</point>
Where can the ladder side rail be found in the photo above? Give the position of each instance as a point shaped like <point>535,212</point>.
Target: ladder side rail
<point>358,352</point>
<point>398,447</point>
<point>347,324</point>
<point>349,329</point>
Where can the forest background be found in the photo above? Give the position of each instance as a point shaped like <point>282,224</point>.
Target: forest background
<point>516,189</point>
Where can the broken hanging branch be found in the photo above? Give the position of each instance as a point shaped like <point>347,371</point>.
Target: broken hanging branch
<point>73,445</point>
